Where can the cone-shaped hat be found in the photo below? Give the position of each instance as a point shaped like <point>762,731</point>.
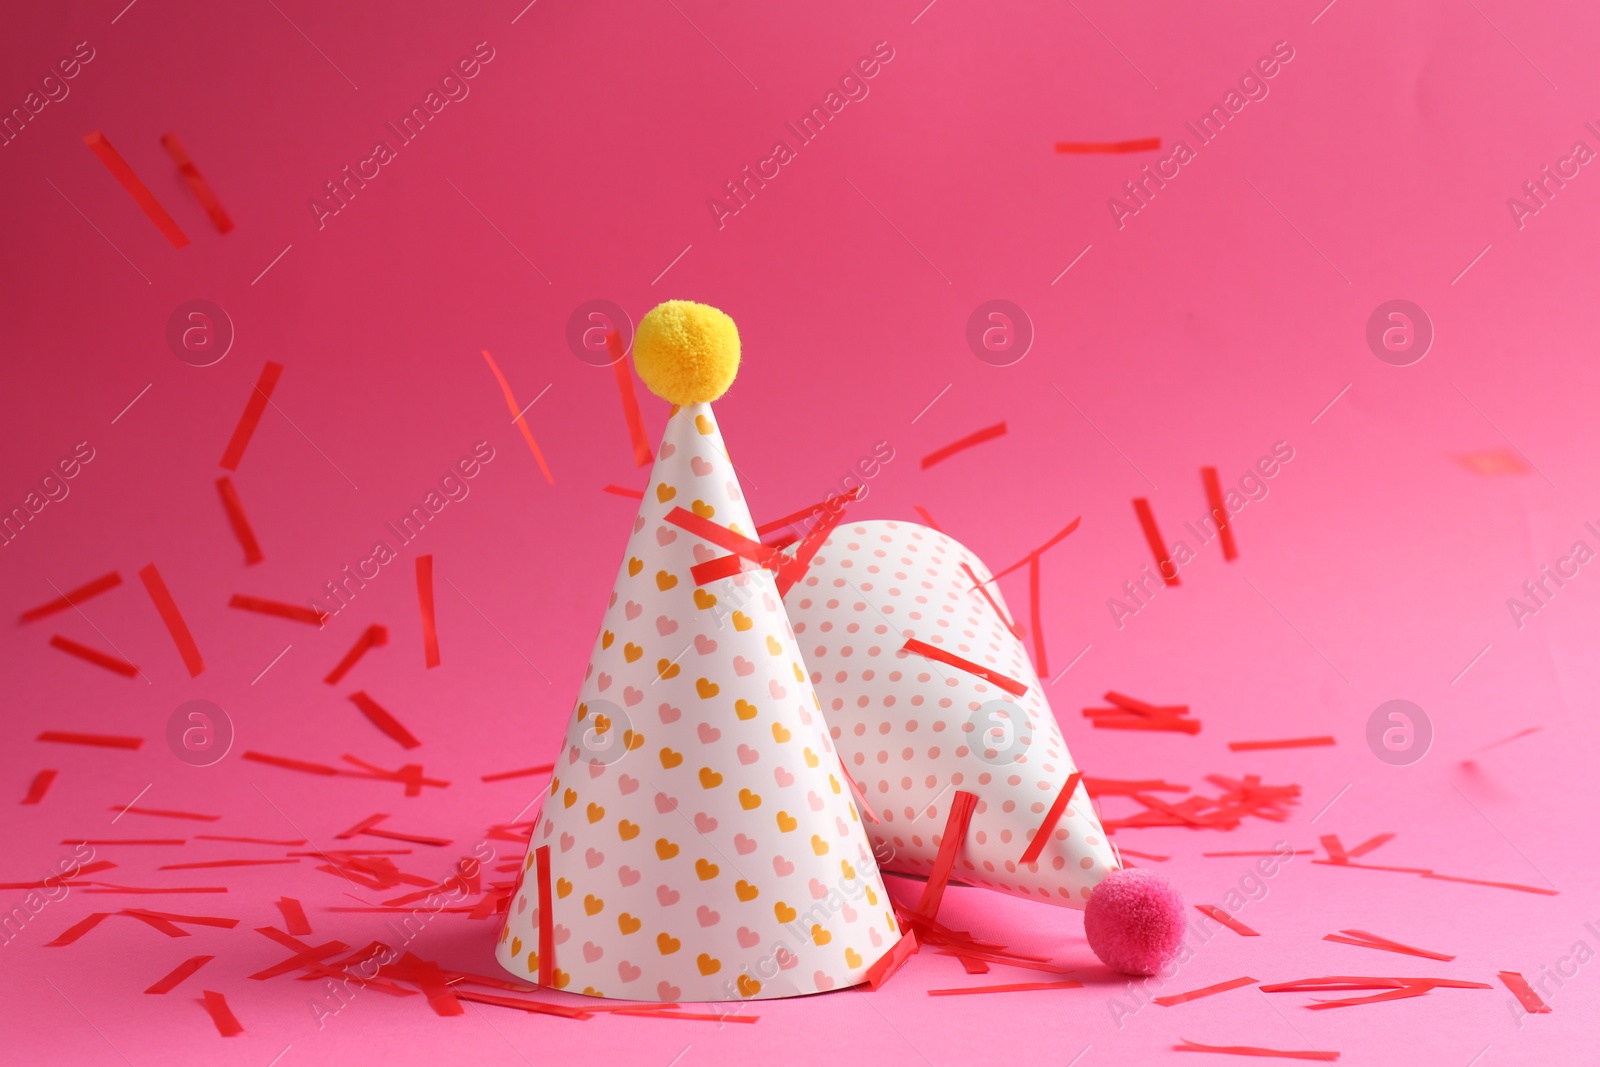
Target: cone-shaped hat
<point>914,727</point>
<point>698,840</point>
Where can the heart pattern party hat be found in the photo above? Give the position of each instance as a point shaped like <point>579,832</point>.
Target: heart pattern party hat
<point>930,697</point>
<point>698,840</point>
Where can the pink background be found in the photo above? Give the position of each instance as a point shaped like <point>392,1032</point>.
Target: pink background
<point>1201,333</point>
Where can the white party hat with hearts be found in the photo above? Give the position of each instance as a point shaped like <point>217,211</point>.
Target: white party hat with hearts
<point>698,840</point>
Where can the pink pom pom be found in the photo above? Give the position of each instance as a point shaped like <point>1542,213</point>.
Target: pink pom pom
<point>1134,921</point>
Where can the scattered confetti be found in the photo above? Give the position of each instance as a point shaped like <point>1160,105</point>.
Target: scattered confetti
<point>239,521</point>
<point>517,417</point>
<point>39,786</point>
<point>1152,535</point>
<point>379,717</point>
<point>988,433</point>
<point>292,612</point>
<point>178,974</point>
<point>254,408</point>
<point>167,608</point>
<point>1204,991</point>
<point>934,652</point>
<point>1292,742</point>
<point>197,184</point>
<point>72,598</point>
<point>63,737</point>
<point>1219,512</point>
<point>114,664</point>
<point>430,633</point>
<point>372,637</point>
<point>216,1006</point>
<point>1226,920</point>
<point>141,194</point>
<point>630,400</point>
<point>1139,144</point>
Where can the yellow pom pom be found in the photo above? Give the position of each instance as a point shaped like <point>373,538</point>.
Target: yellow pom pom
<point>687,353</point>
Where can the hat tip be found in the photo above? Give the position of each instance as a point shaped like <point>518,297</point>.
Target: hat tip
<point>687,353</point>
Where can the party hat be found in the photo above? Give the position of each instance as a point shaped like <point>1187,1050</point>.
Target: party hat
<point>698,840</point>
<point>930,696</point>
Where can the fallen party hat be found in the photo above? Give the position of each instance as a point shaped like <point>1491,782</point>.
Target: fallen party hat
<point>941,722</point>
<point>698,840</point>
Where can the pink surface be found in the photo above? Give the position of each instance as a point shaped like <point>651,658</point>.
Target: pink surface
<point>1221,318</point>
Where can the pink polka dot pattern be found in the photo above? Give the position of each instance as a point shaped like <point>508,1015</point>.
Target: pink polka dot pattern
<point>911,730</point>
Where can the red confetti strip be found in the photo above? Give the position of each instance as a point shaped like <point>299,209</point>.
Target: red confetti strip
<point>1011,987</point>
<point>292,612</point>
<point>415,839</point>
<point>1252,1050</point>
<point>1226,920</point>
<point>114,664</point>
<point>1292,742</point>
<point>1141,144</point>
<point>380,718</point>
<point>1065,532</point>
<point>167,608</point>
<point>1133,722</point>
<point>216,1006</point>
<point>1524,992</point>
<point>955,834</point>
<point>1219,512</point>
<point>365,824</point>
<point>290,764</point>
<point>1041,836</point>
<point>158,923</point>
<point>516,415</point>
<point>372,637</point>
<point>164,813</point>
<point>1105,787</point>
<point>1362,939</point>
<point>130,181</point>
<point>630,400</point>
<point>71,598</point>
<point>1205,991</point>
<point>249,840</point>
<point>108,887</point>
<point>794,518</point>
<point>543,768</point>
<point>239,521</point>
<point>982,587</point>
<point>98,740</point>
<point>891,961</point>
<point>1507,740</point>
<point>794,567</point>
<point>430,633</point>
<point>547,934</point>
<point>927,518</point>
<point>988,433</point>
<point>934,652</point>
<point>1034,618</point>
<point>1495,885</point>
<point>198,185</point>
<point>178,974</point>
<point>254,408</point>
<point>210,864</point>
<point>194,920</point>
<point>722,537</point>
<point>78,929</point>
<point>618,490</point>
<point>304,954</point>
<point>1152,535</point>
<point>39,786</point>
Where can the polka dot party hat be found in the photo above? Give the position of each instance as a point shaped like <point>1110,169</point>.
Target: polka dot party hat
<point>931,698</point>
<point>699,840</point>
